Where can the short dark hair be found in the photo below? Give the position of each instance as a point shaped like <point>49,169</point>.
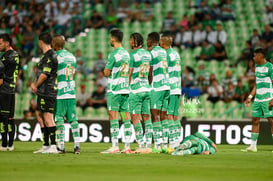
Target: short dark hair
<point>260,50</point>
<point>117,34</point>
<point>46,38</point>
<point>6,37</point>
<point>154,36</point>
<point>138,39</point>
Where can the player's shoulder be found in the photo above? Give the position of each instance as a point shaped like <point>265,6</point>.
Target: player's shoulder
<point>10,54</point>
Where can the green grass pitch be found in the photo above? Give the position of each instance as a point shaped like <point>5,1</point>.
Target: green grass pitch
<point>228,164</point>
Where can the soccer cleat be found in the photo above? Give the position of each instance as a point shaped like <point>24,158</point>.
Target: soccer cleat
<point>154,150</point>
<point>250,149</point>
<point>77,150</point>
<point>139,151</point>
<point>51,150</point>
<point>11,148</point>
<point>112,150</point>
<point>170,150</point>
<point>126,151</point>
<point>178,153</point>
<point>3,148</point>
<point>61,151</point>
<point>43,149</point>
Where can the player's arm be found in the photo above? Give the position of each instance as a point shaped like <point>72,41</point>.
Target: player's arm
<point>109,65</point>
<point>130,75</point>
<point>150,77</point>
<point>251,95</point>
<point>2,69</point>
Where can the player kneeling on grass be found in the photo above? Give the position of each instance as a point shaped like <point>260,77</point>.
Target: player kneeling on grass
<point>140,96</point>
<point>196,144</point>
<point>65,105</point>
<point>263,96</point>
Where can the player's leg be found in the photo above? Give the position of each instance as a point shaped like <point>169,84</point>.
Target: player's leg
<point>124,107</point>
<point>135,102</point>
<point>189,151</point>
<point>164,121</point>
<point>156,105</point>
<point>176,119</point>
<point>114,123</point>
<point>4,131</point>
<point>11,124</point>
<point>172,128</point>
<point>72,119</point>
<point>146,117</point>
<point>59,114</point>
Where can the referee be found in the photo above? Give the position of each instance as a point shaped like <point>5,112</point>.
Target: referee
<point>8,73</point>
<point>45,86</point>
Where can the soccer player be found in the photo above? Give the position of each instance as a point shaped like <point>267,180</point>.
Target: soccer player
<point>263,96</point>
<point>45,86</point>
<point>140,97</point>
<point>117,70</point>
<point>8,74</point>
<point>159,93</point>
<point>196,144</point>
<point>65,105</point>
<point>174,71</point>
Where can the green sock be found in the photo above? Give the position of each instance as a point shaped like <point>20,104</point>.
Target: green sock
<point>272,136</point>
<point>114,129</point>
<point>127,132</point>
<point>148,133</point>
<point>76,133</point>
<point>177,124</point>
<point>60,132</point>
<point>139,135</point>
<point>157,134</point>
<point>165,132</point>
<point>171,133</point>
<point>254,136</point>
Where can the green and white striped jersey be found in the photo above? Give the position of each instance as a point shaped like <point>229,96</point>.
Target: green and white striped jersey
<point>160,69</point>
<point>140,61</point>
<point>264,77</point>
<point>67,65</point>
<point>118,62</point>
<point>174,70</point>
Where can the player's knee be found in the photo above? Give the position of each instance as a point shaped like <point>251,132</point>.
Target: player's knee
<point>74,124</point>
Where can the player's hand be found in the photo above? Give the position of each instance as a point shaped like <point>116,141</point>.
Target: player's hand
<point>33,88</point>
<point>214,146</point>
<point>270,104</point>
<point>247,102</point>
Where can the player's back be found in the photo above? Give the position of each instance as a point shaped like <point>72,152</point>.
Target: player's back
<point>66,75</point>
<point>140,62</point>
<point>264,77</point>
<point>160,69</point>
<point>118,62</point>
<point>174,71</point>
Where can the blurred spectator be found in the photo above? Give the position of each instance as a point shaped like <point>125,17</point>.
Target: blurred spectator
<point>63,21</point>
<point>196,35</point>
<point>229,78</point>
<point>187,38</point>
<point>76,27</point>
<point>215,12</point>
<point>220,53</point>
<point>207,51</point>
<point>208,22</point>
<point>76,9</point>
<point>31,112</point>
<point>135,12</point>
<point>269,11</point>
<point>209,35</point>
<point>147,12</point>
<point>111,20</point>
<point>15,18</point>
<point>101,80</point>
<point>255,38</point>
<point>51,9</point>
<point>221,35</point>
<point>188,77</point>
<point>201,11</point>
<point>96,20</point>
<point>228,11</point>
<point>229,92</point>
<point>241,92</point>
<point>184,21</point>
<point>99,64</point>
<point>215,92</point>
<point>81,63</point>
<point>28,40</point>
<point>167,22</point>
<point>179,37</point>
<point>267,36</point>
<point>246,54</point>
<point>4,28</point>
<point>192,22</point>
<point>202,81</point>
<point>250,74</point>
<point>98,98</point>
<point>82,98</point>
<point>122,11</point>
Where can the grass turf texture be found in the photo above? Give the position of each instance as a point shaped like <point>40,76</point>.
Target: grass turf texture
<point>228,164</point>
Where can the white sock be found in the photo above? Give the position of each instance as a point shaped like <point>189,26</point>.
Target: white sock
<point>253,144</point>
